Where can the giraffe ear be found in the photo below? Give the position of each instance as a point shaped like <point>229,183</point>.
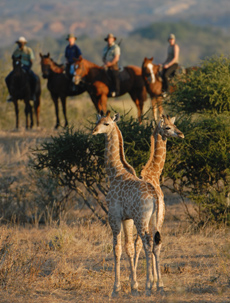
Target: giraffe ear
<point>173,119</point>
<point>116,117</point>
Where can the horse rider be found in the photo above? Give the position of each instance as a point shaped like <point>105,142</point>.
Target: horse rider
<point>111,56</point>
<point>171,63</point>
<point>27,57</point>
<point>72,51</point>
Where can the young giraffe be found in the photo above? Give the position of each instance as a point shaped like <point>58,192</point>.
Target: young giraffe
<point>129,199</point>
<point>151,173</point>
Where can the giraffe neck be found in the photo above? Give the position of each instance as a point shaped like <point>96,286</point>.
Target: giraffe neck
<point>153,168</point>
<point>115,162</point>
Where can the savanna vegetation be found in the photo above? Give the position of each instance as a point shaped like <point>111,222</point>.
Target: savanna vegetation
<point>55,245</point>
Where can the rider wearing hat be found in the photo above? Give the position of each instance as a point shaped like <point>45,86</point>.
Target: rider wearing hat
<point>72,51</point>
<point>171,63</point>
<point>27,57</point>
<point>111,56</point>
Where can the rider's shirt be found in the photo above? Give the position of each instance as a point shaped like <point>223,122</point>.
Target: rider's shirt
<point>109,52</point>
<point>171,54</point>
<point>26,55</point>
<point>72,52</point>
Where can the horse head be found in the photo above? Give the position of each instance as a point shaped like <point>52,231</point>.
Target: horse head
<point>45,65</point>
<point>149,70</point>
<point>79,70</point>
<point>17,63</point>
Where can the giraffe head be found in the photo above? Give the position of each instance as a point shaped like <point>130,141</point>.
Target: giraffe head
<point>168,129</point>
<point>105,124</point>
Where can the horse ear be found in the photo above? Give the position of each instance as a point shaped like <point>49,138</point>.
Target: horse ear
<point>116,117</point>
<point>40,55</point>
<point>151,58</point>
<point>48,55</point>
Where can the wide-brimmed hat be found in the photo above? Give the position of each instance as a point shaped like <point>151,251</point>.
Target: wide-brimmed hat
<point>21,40</point>
<point>110,35</point>
<point>171,36</point>
<point>71,36</point>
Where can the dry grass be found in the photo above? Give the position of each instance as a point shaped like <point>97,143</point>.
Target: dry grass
<point>74,262</point>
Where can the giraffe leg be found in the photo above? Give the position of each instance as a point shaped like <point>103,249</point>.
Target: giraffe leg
<point>156,252</point>
<point>129,246</point>
<point>116,229</point>
<point>147,244</point>
<point>138,247</point>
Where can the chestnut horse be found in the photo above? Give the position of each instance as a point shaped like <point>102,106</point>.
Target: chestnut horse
<point>20,89</point>
<point>153,83</point>
<point>58,84</point>
<point>98,84</point>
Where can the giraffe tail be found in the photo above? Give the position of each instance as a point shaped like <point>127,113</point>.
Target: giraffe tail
<point>157,238</point>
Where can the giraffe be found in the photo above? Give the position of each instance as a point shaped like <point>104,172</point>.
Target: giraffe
<point>130,200</point>
<point>151,173</point>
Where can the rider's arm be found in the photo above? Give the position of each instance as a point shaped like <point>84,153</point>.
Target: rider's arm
<point>176,57</point>
<point>114,61</point>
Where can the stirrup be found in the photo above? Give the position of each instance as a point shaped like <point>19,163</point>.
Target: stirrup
<point>9,99</point>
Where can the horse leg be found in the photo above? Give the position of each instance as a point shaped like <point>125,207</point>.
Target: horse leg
<point>157,105</point>
<point>102,103</point>
<point>38,100</point>
<point>139,105</point>
<point>63,102</point>
<point>37,108</point>
<point>16,112</point>
<point>55,101</point>
<point>28,110</point>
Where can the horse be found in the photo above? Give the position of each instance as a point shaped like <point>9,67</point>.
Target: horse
<point>98,84</point>
<point>20,89</point>
<point>58,84</point>
<point>153,82</point>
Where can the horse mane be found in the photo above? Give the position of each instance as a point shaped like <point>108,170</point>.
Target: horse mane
<point>56,68</point>
<point>127,166</point>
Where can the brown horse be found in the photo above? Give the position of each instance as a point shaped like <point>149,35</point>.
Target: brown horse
<point>58,84</point>
<point>98,84</point>
<point>153,83</point>
<point>20,89</point>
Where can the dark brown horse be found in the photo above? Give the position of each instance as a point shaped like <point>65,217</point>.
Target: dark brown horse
<point>98,84</point>
<point>21,90</point>
<point>58,84</point>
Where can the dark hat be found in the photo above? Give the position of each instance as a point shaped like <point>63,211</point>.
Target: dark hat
<point>110,36</point>
<point>21,40</point>
<point>71,36</point>
<point>171,36</point>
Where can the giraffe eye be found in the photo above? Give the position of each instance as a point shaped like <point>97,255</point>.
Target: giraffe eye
<point>107,124</point>
<point>167,128</point>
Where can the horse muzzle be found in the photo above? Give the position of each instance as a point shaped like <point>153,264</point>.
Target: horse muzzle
<point>76,79</point>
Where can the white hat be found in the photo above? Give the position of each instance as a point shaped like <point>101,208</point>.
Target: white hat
<point>21,40</point>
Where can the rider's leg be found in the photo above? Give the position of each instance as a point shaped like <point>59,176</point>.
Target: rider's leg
<point>167,72</point>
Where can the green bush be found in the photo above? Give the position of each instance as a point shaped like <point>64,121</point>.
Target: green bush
<point>199,165</point>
